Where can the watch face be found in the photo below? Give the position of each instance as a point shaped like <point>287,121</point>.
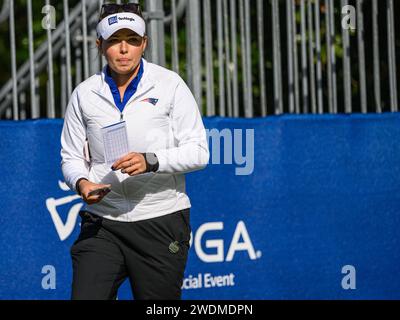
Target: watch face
<point>151,158</point>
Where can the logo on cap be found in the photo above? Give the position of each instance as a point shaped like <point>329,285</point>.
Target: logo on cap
<point>112,20</point>
<point>126,18</point>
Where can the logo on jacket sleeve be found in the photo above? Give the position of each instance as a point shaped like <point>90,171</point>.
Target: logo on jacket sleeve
<point>153,101</point>
<point>112,20</point>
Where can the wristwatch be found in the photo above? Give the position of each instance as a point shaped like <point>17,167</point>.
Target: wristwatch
<point>151,161</point>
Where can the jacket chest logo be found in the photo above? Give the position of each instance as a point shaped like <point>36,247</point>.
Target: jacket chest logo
<point>153,101</point>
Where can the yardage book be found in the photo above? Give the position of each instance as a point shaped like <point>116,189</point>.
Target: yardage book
<point>115,141</point>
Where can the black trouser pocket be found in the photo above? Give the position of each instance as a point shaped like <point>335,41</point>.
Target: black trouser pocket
<point>185,215</point>
<point>90,225</point>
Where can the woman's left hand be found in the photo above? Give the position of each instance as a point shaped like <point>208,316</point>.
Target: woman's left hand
<point>133,163</point>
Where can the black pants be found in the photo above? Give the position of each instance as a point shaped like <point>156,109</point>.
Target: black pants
<point>107,252</point>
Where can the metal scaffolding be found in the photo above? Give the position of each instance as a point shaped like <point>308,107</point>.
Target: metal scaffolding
<point>303,61</point>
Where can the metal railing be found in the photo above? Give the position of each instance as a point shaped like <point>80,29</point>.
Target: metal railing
<point>243,58</point>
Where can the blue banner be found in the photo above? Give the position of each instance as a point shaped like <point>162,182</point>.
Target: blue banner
<point>289,207</point>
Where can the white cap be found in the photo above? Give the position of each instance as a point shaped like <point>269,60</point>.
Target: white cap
<point>122,20</point>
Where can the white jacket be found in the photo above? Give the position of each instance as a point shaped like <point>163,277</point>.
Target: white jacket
<point>172,129</point>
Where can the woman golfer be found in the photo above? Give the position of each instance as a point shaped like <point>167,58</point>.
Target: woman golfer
<point>142,131</point>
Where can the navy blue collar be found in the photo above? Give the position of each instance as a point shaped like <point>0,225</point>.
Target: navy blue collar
<point>130,90</point>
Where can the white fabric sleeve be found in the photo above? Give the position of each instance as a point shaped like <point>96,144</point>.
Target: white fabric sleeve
<point>192,152</point>
<point>73,137</point>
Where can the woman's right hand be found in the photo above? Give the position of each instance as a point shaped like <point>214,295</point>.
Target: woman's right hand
<point>86,186</point>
